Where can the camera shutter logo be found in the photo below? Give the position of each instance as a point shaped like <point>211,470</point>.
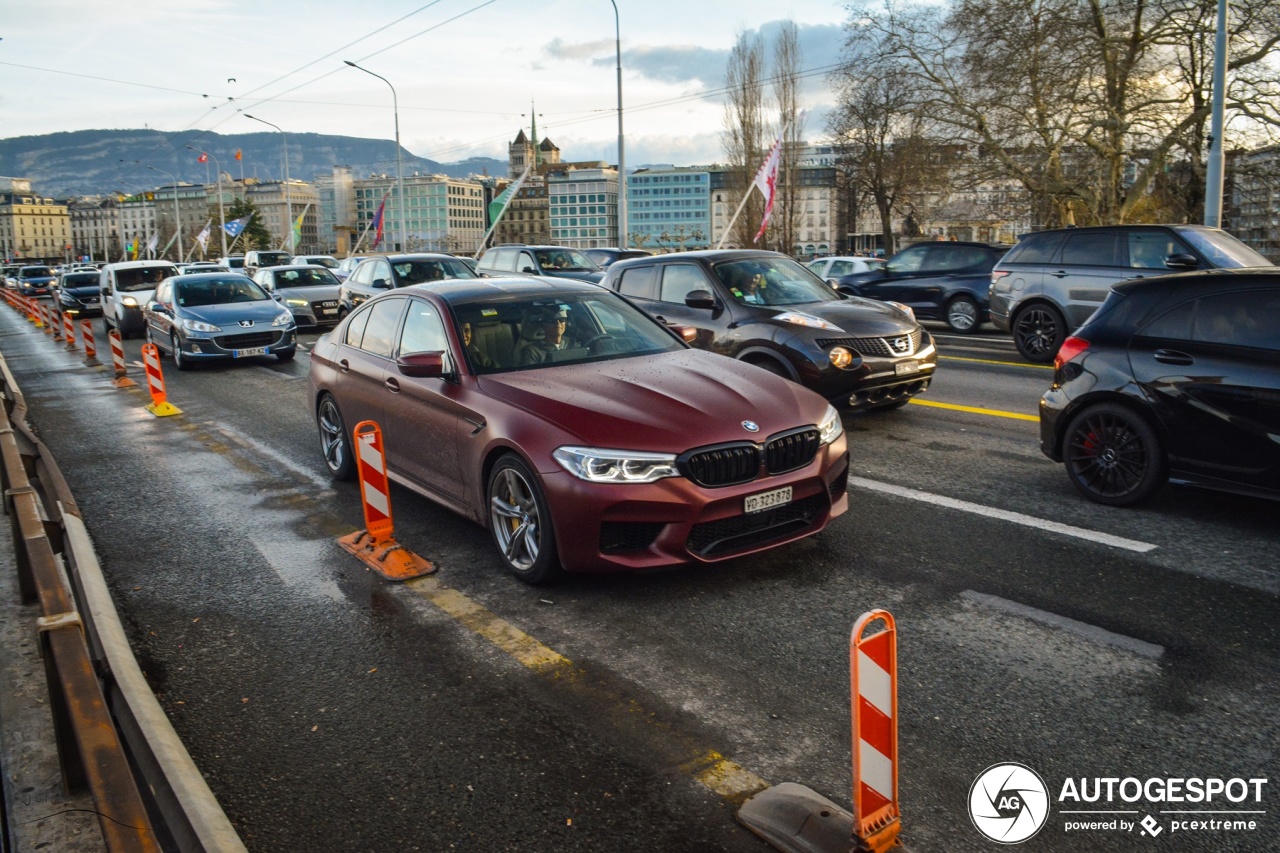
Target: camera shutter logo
<point>1008,803</point>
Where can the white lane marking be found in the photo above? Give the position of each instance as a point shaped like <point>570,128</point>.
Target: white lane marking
<point>1081,629</point>
<point>1006,515</point>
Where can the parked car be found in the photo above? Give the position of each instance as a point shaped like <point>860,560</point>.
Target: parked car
<point>832,269</point>
<point>127,287</point>
<point>310,292</point>
<point>376,273</point>
<point>1052,281</point>
<point>78,294</point>
<point>621,449</point>
<point>329,262</point>
<point>1173,378</point>
<point>256,259</point>
<point>940,280</point>
<point>213,316</point>
<point>552,261</point>
<point>201,266</point>
<point>35,280</point>
<point>606,256</point>
<point>235,263</point>
<point>765,309</point>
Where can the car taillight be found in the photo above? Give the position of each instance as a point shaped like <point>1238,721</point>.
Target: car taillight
<point>996,275</point>
<point>1070,348</point>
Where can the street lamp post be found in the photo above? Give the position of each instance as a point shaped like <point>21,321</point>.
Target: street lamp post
<point>288,199</point>
<point>622,159</point>
<point>222,217</point>
<point>177,214</point>
<point>395,107</point>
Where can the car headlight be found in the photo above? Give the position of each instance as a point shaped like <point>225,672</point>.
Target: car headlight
<point>797,318</point>
<point>283,319</point>
<point>905,309</point>
<point>831,427</point>
<point>301,303</point>
<point>840,357</point>
<point>128,302</point>
<point>616,466</point>
<point>199,326</point>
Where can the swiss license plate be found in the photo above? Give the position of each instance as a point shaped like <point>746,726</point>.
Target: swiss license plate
<point>767,500</point>
<point>904,367</point>
<point>245,353</point>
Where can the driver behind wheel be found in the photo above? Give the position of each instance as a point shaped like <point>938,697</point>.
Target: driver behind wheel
<point>541,333</point>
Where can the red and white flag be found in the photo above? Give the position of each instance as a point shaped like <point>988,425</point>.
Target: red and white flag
<point>767,182</point>
<point>203,158</point>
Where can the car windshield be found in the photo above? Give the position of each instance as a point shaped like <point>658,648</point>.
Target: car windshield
<point>324,262</point>
<point>564,259</point>
<point>217,291</point>
<point>418,272</point>
<point>36,272</point>
<point>304,278</point>
<point>773,281</point>
<point>272,259</point>
<point>80,279</point>
<point>1222,250</point>
<point>526,332</point>
<point>142,278</point>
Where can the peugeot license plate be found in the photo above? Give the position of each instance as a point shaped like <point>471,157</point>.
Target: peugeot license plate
<point>245,353</point>
<point>767,500</point>
<point>904,367</point>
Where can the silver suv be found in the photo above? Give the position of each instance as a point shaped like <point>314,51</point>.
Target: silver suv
<point>1051,282</point>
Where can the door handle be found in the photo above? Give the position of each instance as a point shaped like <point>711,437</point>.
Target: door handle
<point>392,385</point>
<point>344,366</point>
<point>1172,356</point>
<point>661,319</point>
<point>1059,274</point>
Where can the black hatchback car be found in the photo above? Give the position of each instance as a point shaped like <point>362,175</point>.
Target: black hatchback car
<point>78,294</point>
<point>1174,378</point>
<point>765,309</point>
<point>945,281</point>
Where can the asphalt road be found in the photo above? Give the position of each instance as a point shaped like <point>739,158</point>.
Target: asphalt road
<point>331,710</point>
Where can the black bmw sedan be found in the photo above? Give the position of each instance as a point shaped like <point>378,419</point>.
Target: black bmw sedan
<point>765,309</point>
<point>1175,378</point>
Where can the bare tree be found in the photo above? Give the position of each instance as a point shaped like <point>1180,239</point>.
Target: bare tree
<point>744,125</point>
<point>785,222</point>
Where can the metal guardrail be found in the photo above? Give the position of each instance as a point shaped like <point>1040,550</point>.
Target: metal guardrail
<point>104,712</point>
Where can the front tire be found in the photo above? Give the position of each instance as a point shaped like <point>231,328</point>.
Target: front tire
<point>1038,332</point>
<point>335,442</point>
<point>1113,455</point>
<point>963,315</point>
<point>180,361</point>
<point>286,355</point>
<point>520,521</point>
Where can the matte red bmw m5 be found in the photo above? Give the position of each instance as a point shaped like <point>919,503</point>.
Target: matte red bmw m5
<point>583,434</point>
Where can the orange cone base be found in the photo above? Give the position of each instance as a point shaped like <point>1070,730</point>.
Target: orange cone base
<point>386,557</point>
<point>163,410</point>
<point>797,819</point>
<point>123,382</point>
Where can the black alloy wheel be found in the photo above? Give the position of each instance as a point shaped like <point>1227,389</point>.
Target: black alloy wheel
<point>180,360</point>
<point>962,315</point>
<point>335,443</point>
<point>1113,455</point>
<point>1038,332</point>
<point>520,521</point>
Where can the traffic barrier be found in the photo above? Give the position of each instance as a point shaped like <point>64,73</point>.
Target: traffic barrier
<point>68,330</point>
<point>117,360</point>
<point>792,817</point>
<point>90,347</point>
<point>160,405</point>
<point>46,319</point>
<point>376,545</point>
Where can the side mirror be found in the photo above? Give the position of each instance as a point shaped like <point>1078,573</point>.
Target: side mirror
<point>700,299</point>
<point>422,365</point>
<point>156,308</point>
<point>847,290</point>
<point>529,271</point>
<point>688,334</point>
<point>1182,261</point>
<point>381,284</point>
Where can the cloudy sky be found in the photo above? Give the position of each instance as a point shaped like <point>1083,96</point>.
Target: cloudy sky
<point>465,71</point>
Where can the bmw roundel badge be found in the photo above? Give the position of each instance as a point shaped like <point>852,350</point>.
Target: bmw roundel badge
<point>751,426</point>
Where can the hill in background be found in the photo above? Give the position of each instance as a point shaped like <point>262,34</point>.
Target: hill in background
<point>93,162</point>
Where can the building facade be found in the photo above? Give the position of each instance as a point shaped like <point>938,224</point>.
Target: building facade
<point>1253,209</point>
<point>669,208</point>
<point>32,227</point>
<point>183,210</point>
<point>279,211</point>
<point>137,223</point>
<point>583,207</point>
<point>528,217</point>
<point>336,225</point>
<point>441,214</point>
<point>95,228</point>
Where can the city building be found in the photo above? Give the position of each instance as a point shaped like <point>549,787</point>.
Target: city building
<point>191,212</point>
<point>669,208</point>
<point>1252,212</point>
<point>336,226</point>
<point>138,223</point>
<point>442,214</point>
<point>32,227</point>
<point>95,228</point>
<point>583,207</point>
<point>528,217</point>
<point>269,197</point>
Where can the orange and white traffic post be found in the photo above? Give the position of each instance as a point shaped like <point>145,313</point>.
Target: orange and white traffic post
<point>69,330</point>
<point>160,405</point>
<point>376,545</point>
<point>90,347</point>
<point>794,818</point>
<point>117,360</point>
<point>33,312</point>
<point>46,317</point>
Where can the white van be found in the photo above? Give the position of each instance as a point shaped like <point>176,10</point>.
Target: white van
<point>126,288</point>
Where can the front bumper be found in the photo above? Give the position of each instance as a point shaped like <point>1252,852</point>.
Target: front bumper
<point>877,380</point>
<point>210,347</point>
<point>614,527</point>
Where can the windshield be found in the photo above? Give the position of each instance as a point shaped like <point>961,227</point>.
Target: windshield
<point>773,281</point>
<point>272,259</point>
<point>564,259</point>
<point>1222,250</point>
<point>323,262</point>
<point>526,333</point>
<point>80,279</point>
<point>418,272</point>
<point>142,278</point>
<point>304,278</point>
<point>36,272</point>
<point>217,291</point>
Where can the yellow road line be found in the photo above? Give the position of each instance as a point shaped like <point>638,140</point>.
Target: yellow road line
<point>990,361</point>
<point>718,774</point>
<point>1017,416</point>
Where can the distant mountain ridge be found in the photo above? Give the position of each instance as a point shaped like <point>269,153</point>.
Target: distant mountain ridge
<point>96,162</point>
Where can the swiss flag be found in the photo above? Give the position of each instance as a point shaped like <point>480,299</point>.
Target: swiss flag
<point>203,158</point>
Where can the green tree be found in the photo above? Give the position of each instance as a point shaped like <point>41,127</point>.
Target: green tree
<point>255,234</point>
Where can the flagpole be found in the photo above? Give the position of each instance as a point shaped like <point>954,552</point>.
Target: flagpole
<point>365,232</point>
<point>515,188</point>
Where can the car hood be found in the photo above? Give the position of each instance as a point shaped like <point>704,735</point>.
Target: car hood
<point>311,293</point>
<point>665,403</point>
<point>856,278</point>
<point>83,292</point>
<point>857,317</point>
<point>261,313</point>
